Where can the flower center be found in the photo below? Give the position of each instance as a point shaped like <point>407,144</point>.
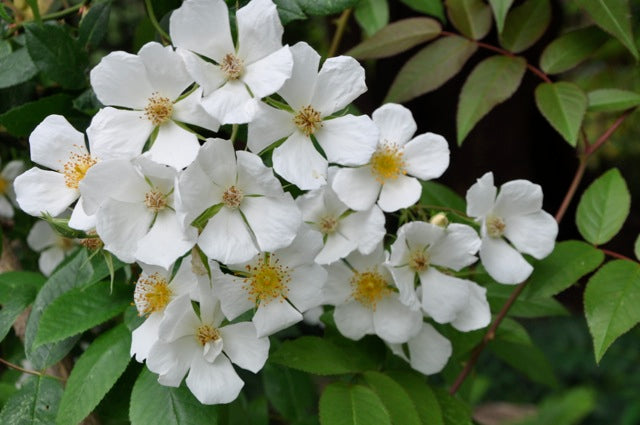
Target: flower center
<point>76,168</point>
<point>369,288</point>
<point>4,185</point>
<point>92,243</point>
<point>232,197</point>
<point>308,120</point>
<point>159,109</point>
<point>151,294</point>
<point>207,333</point>
<point>387,163</point>
<point>155,200</point>
<point>267,281</point>
<point>495,226</point>
<point>419,260</point>
<point>232,66</point>
<point>328,225</point>
<point>64,244</point>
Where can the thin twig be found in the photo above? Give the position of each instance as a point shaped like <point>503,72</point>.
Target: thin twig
<point>616,255</point>
<point>337,37</point>
<point>51,16</point>
<point>155,23</point>
<point>605,136</point>
<point>504,52</point>
<point>23,370</point>
<point>577,178</point>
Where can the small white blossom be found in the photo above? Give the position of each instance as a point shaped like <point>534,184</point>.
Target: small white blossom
<point>7,193</point>
<point>362,289</point>
<point>51,246</point>
<point>428,351</point>
<point>515,214</point>
<point>313,96</point>
<point>391,175</point>
<point>242,74</point>
<point>199,345</point>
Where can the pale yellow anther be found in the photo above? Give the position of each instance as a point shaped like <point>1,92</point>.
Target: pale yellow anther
<point>368,288</point>
<point>159,109</point>
<point>267,281</point>
<point>327,225</point>
<point>155,200</point>
<point>207,333</point>
<point>308,120</point>
<point>232,197</point>
<point>232,66</point>
<point>76,168</point>
<point>419,260</point>
<point>495,226</point>
<point>151,294</point>
<point>387,162</point>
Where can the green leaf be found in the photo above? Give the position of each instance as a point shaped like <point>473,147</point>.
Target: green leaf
<point>17,291</point>
<point>423,397</point>
<point>568,408</point>
<point>57,55</point>
<point>15,68</point>
<point>471,17</point>
<point>21,120</point>
<point>454,410</point>
<point>80,309</point>
<point>87,102</point>
<point>568,50</point>
<point>292,393</point>
<point>325,7</point>
<point>429,7</point>
<point>73,274</point>
<point>500,9</point>
<point>4,15</point>
<point>490,83</point>
<point>611,302</point>
<point>444,58</point>
<point>396,38</point>
<point>569,261</point>
<point>614,18</point>
<point>440,195</point>
<point>94,373</point>
<point>525,24</point>
<point>35,403</point>
<point>603,208</point>
<point>152,403</point>
<point>372,15</point>
<point>320,356</point>
<point>563,105</point>
<point>636,248</point>
<point>341,404</point>
<point>395,398</point>
<point>289,10</point>
<point>514,346</point>
<point>93,26</point>
<point>610,100</point>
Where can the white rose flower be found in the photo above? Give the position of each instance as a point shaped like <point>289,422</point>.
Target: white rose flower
<point>313,96</point>
<point>282,284</point>
<point>149,85</point>
<point>241,75</point>
<point>343,230</point>
<point>387,177</point>
<point>155,290</point>
<point>362,289</point>
<point>428,351</point>
<point>247,210</point>
<point>515,214</point>
<point>420,249</point>
<point>199,345</point>
<point>51,246</point>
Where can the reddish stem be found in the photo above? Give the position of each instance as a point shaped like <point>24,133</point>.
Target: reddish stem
<point>616,255</point>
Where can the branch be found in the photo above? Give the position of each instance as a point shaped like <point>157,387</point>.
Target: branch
<point>30,372</point>
<point>337,37</point>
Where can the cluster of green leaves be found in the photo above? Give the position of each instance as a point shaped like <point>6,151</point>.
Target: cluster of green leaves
<point>495,79</point>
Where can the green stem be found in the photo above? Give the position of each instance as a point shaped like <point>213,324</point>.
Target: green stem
<point>337,37</point>
<point>154,21</point>
<point>55,15</point>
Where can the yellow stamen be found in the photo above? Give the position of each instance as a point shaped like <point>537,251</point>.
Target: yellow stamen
<point>328,225</point>
<point>232,66</point>
<point>159,109</point>
<point>387,163</point>
<point>76,168</point>
<point>151,294</point>
<point>308,120</point>
<point>267,281</point>
<point>495,226</point>
<point>155,200</point>
<point>207,333</point>
<point>419,260</point>
<point>369,288</point>
<point>232,197</point>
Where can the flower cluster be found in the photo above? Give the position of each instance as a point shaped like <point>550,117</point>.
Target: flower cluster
<point>293,222</point>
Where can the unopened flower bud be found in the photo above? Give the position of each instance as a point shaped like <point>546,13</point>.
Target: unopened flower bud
<point>440,219</point>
